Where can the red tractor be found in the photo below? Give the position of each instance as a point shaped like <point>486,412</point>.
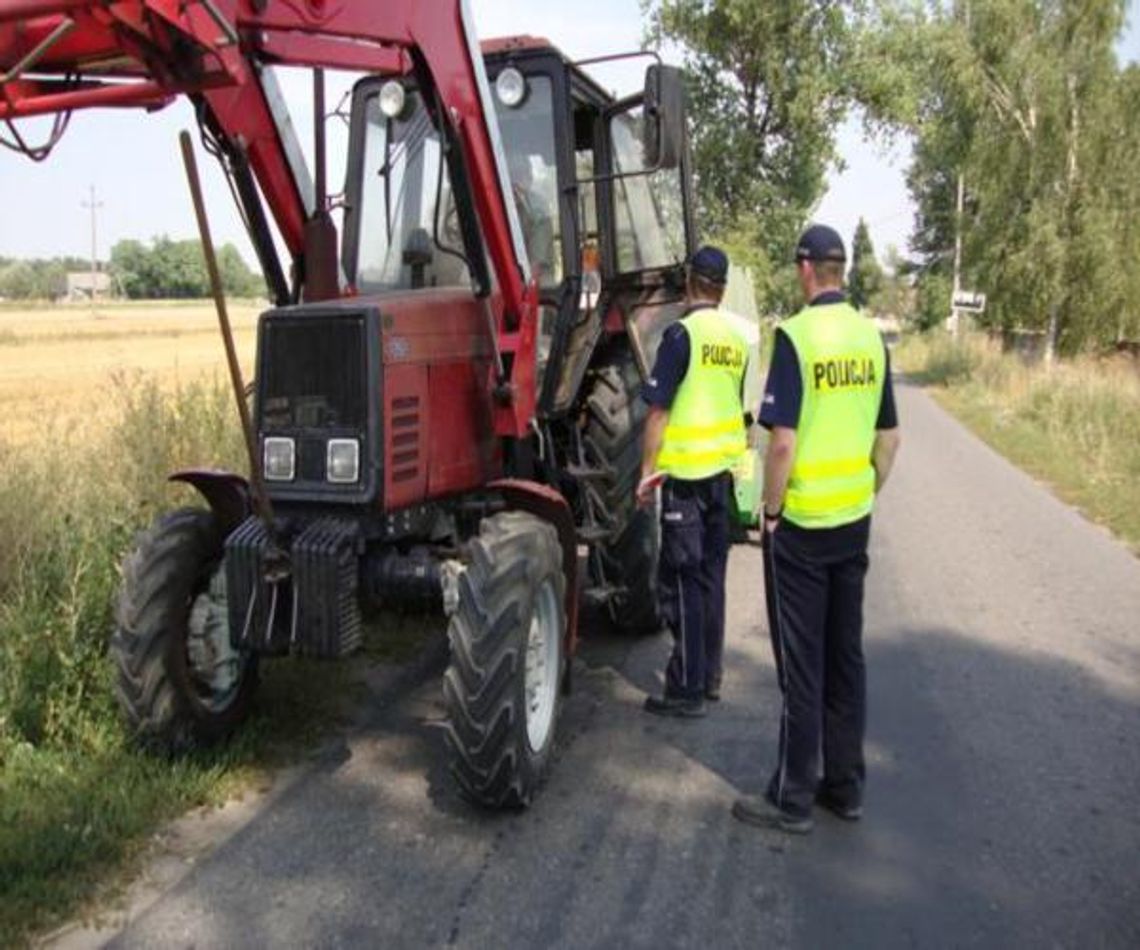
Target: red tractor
<point>445,402</point>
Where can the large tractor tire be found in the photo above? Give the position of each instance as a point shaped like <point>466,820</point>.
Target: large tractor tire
<point>179,681</point>
<point>503,686</point>
<point>615,422</point>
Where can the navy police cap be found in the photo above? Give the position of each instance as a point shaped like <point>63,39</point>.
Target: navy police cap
<point>820,243</point>
<point>710,263</point>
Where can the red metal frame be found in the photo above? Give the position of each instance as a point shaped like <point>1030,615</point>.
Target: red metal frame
<point>144,52</point>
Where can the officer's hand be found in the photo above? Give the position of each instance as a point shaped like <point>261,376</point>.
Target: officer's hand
<point>647,489</point>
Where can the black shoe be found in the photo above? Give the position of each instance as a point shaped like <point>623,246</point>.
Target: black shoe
<point>846,811</point>
<point>675,706</point>
<point>712,692</point>
<point>757,810</point>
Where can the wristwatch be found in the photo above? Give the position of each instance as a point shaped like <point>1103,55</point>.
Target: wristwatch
<point>768,516</point>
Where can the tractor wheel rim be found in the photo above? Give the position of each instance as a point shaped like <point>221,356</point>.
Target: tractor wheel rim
<point>543,649</point>
<point>215,667</point>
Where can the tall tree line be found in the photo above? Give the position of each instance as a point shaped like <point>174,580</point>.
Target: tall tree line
<point>1022,102</point>
<point>1024,120</point>
<point>162,269</point>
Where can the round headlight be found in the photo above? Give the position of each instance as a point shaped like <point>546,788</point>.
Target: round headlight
<point>393,99</point>
<point>510,87</point>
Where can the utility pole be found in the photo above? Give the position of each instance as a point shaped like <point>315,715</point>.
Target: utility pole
<point>955,314</point>
<point>94,206</point>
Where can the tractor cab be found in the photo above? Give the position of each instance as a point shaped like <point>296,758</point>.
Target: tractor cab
<point>599,191</point>
<point>611,183</point>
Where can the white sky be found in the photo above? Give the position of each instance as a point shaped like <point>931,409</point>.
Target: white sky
<point>132,158</point>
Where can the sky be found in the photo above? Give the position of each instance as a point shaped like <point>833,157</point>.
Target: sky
<point>133,162</point>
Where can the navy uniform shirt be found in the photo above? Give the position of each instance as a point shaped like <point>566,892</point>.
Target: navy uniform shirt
<point>670,368</point>
<point>784,391</point>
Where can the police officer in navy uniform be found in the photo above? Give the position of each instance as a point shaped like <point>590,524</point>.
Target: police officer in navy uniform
<point>830,408</point>
<point>694,435</point>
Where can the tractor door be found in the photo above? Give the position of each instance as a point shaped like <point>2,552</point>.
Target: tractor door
<point>649,206</point>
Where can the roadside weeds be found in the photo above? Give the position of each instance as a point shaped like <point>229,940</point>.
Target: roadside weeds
<point>78,804</point>
<point>1075,426</point>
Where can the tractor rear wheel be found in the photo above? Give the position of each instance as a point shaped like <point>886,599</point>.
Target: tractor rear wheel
<point>502,688</point>
<point>179,681</point>
<point>615,421</point>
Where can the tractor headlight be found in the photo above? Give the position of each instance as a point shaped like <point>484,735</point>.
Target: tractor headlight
<point>393,99</point>
<point>510,87</point>
<point>279,459</point>
<point>342,464</point>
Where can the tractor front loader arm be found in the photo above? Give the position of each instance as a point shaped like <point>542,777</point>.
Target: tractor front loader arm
<point>61,55</point>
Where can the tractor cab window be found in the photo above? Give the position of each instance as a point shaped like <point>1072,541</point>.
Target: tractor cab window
<point>409,234</point>
<point>649,210</point>
<point>527,131</point>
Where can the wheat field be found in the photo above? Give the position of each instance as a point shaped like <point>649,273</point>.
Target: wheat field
<point>60,365</point>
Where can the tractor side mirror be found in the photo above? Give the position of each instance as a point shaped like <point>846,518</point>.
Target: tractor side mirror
<point>663,130</point>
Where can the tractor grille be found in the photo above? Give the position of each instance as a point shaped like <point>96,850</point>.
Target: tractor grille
<point>315,611</point>
<point>314,372</point>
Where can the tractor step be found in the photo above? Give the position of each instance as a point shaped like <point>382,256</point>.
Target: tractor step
<point>601,595</point>
<point>587,473</point>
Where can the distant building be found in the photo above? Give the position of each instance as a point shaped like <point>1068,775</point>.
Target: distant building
<point>80,285</point>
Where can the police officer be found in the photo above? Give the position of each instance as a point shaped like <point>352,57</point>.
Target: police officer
<point>830,408</point>
<point>694,434</point>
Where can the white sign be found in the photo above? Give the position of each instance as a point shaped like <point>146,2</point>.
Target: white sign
<point>969,300</point>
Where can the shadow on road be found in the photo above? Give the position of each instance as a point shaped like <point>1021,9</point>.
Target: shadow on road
<point>1000,811</point>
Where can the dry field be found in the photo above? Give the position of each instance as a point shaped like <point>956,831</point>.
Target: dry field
<point>60,365</point>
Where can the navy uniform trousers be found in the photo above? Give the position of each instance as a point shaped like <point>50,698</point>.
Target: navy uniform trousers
<point>690,578</point>
<point>814,589</point>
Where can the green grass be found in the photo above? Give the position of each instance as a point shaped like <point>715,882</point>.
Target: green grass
<point>77,801</point>
<point>1075,426</point>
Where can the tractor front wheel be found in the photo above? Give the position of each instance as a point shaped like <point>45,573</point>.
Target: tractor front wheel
<point>180,682</point>
<point>503,686</point>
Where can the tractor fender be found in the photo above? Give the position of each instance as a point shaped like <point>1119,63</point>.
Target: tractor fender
<point>546,503</point>
<point>227,494</point>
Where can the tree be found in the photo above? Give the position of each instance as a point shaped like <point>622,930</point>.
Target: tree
<point>237,278</point>
<point>130,266</point>
<point>897,297</point>
<point>767,88</point>
<point>933,300</point>
<point>865,278</point>
<point>177,269</point>
<point>1020,102</point>
<point>34,279</point>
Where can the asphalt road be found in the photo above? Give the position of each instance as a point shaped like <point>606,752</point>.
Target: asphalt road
<point>1003,802</point>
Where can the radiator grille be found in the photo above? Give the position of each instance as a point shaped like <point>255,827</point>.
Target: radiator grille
<point>314,371</point>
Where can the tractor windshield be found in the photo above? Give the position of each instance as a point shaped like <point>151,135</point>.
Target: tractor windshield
<point>528,138</point>
<point>649,211</point>
<point>409,233</point>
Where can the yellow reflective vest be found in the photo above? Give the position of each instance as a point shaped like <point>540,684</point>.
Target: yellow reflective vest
<point>705,433</point>
<point>843,366</point>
